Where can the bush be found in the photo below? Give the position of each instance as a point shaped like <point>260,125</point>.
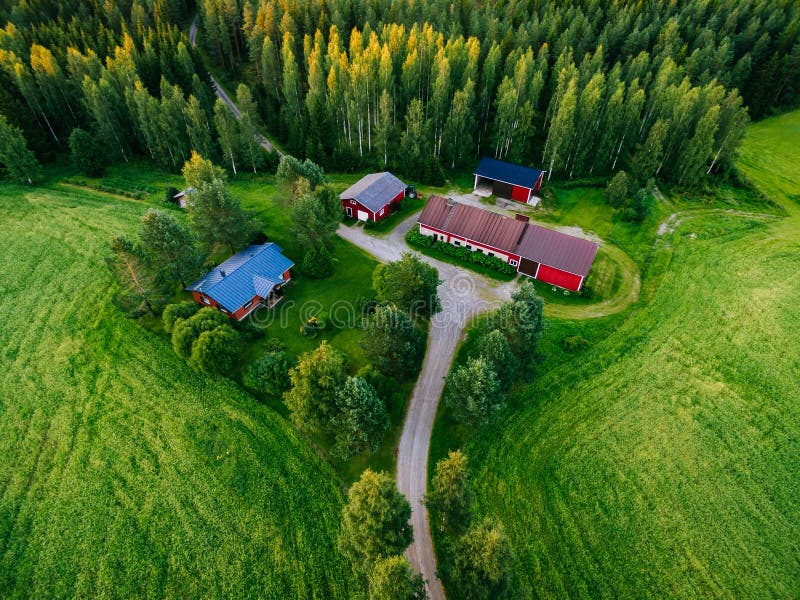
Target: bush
<point>418,240</point>
<point>173,312</point>
<point>318,263</point>
<point>269,374</point>
<point>574,343</point>
<point>186,331</point>
<point>215,350</point>
<point>86,153</point>
<point>169,195</point>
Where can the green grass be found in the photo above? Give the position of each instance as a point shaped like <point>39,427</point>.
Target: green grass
<point>409,207</point>
<point>661,461</point>
<point>122,472</point>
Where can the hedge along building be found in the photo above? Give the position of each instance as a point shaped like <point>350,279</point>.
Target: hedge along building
<point>507,180</point>
<point>373,197</point>
<point>251,278</point>
<point>549,256</point>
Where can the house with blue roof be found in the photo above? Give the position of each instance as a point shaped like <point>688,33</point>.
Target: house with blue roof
<point>251,278</point>
<point>373,197</point>
<point>507,180</point>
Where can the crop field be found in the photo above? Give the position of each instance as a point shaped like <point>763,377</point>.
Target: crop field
<point>662,461</point>
<point>123,473</point>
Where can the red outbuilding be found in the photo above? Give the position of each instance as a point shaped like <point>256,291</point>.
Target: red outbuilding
<point>373,197</point>
<point>550,256</point>
<point>507,180</point>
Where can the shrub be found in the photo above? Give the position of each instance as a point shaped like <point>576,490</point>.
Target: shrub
<point>186,331</point>
<point>173,312</point>
<point>574,343</point>
<point>169,195</point>
<point>418,240</point>
<point>215,350</point>
<point>318,263</point>
<point>270,373</point>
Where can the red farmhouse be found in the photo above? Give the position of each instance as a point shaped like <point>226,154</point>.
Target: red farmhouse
<point>553,257</point>
<point>372,197</point>
<point>507,180</point>
<point>248,279</point>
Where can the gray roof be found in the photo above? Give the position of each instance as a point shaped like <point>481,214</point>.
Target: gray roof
<point>556,249</point>
<point>254,271</point>
<point>374,191</point>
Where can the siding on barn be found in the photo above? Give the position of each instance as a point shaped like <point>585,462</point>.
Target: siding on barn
<point>520,194</point>
<point>560,278</point>
<point>375,216</point>
<point>450,238</point>
<point>538,183</point>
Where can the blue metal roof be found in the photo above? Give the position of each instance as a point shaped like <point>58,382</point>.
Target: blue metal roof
<point>375,190</point>
<point>254,271</point>
<point>507,172</point>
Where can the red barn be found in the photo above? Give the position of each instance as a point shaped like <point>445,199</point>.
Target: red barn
<point>373,197</point>
<point>251,278</point>
<point>507,180</point>
<point>555,258</point>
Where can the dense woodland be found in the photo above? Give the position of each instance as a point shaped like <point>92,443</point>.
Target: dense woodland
<point>581,88</point>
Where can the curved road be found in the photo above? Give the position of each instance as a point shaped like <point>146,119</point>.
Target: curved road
<point>222,95</point>
<point>463,296</point>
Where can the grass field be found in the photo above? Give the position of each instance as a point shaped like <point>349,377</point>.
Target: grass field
<point>123,473</point>
<point>662,461</point>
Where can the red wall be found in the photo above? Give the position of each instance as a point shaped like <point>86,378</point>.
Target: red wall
<point>355,206</point>
<point>519,193</point>
<point>558,277</point>
<point>538,182</point>
<point>241,313</point>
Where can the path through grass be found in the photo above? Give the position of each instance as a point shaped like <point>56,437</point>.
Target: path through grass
<point>662,461</point>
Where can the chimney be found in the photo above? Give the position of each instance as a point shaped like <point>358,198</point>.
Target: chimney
<point>523,218</point>
<point>222,272</point>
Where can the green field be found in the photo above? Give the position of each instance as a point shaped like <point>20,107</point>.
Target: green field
<point>122,472</point>
<point>662,461</point>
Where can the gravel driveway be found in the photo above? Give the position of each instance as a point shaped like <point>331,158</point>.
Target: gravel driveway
<point>463,296</point>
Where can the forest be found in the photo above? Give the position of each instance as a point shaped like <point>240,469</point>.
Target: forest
<point>582,88</point>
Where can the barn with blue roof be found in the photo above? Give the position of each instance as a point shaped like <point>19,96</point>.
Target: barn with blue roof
<point>251,278</point>
<point>507,180</point>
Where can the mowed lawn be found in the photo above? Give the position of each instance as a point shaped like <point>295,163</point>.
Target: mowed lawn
<point>664,460</point>
<point>123,473</point>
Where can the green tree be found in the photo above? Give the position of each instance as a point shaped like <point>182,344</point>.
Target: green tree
<point>270,373</point>
<point>185,332</point>
<point>409,284</point>
<point>217,218</point>
<point>138,285</point>
<point>696,152</point>
<point>230,139</point>
<point>318,263</point>
<point>449,498</point>
<point>198,170</point>
<point>361,420</point>
<point>473,392</point>
<point>86,153</point>
<point>649,155</point>
<point>481,563</point>
<point>169,246</point>
<point>392,343</point>
<point>198,127</point>
<point>180,310</point>
<point>374,521</point>
<point>20,163</point>
<point>313,224</point>
<point>290,170</point>
<point>316,380</point>
<point>393,579</point>
<point>216,350</point>
<point>248,127</point>
<point>618,189</point>
<point>521,320</point>
<point>494,348</point>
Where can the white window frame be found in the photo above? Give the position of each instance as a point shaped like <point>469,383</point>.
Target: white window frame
<point>513,263</point>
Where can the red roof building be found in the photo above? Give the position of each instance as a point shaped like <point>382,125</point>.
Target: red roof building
<point>550,256</point>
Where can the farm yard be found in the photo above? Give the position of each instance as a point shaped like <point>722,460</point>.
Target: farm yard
<point>122,471</point>
<point>660,456</point>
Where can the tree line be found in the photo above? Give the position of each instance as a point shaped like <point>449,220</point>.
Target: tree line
<point>580,88</point>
